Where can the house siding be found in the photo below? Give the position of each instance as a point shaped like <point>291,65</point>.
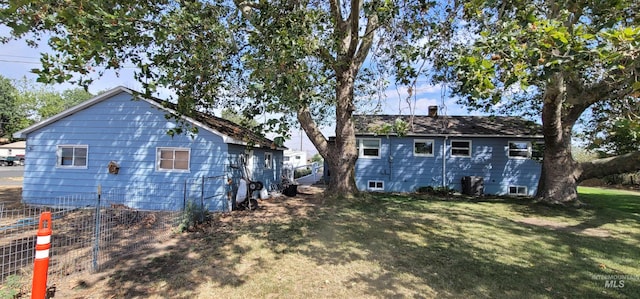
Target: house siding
<point>128,132</point>
<point>401,171</point>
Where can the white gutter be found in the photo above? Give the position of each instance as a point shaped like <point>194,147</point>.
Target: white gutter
<point>444,161</point>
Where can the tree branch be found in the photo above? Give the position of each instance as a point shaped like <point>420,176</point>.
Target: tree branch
<point>613,165</point>
<point>354,22</point>
<point>367,40</point>
<point>311,129</point>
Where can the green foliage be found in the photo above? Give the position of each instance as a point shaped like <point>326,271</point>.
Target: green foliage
<point>193,215</point>
<point>9,112</point>
<point>11,288</point>
<point>237,118</point>
<point>300,172</point>
<point>317,158</point>
<point>437,191</point>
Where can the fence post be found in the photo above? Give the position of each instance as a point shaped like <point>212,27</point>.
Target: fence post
<point>41,263</point>
<point>96,243</point>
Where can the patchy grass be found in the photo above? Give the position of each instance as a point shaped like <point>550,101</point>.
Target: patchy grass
<point>396,246</point>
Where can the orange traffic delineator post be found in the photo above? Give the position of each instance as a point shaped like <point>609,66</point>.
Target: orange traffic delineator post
<point>41,264</point>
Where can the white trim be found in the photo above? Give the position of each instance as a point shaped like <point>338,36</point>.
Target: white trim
<point>451,148</point>
<point>375,185</point>
<point>518,188</point>
<point>73,147</point>
<point>159,148</point>
<point>433,144</point>
<point>361,148</point>
<point>528,149</point>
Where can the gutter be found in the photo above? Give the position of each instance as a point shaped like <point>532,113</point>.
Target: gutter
<point>444,161</point>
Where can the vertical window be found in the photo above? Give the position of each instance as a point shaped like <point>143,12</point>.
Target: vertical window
<point>518,190</point>
<point>423,147</point>
<point>519,149</point>
<point>70,156</point>
<point>461,148</point>
<point>170,158</point>
<point>375,185</point>
<point>368,148</point>
<point>268,160</point>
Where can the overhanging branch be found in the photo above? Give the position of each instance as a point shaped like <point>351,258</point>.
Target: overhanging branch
<point>613,165</point>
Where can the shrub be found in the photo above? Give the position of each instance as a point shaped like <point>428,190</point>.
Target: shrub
<point>193,214</point>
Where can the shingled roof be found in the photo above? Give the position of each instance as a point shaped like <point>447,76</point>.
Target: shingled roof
<point>225,127</point>
<point>233,132</point>
<point>478,126</point>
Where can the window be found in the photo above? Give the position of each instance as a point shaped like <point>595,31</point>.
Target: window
<point>297,157</point>
<point>376,185</point>
<point>268,160</point>
<point>519,149</point>
<point>173,159</point>
<point>286,158</point>
<point>518,190</point>
<point>423,147</point>
<point>368,148</point>
<point>72,156</point>
<point>460,148</point>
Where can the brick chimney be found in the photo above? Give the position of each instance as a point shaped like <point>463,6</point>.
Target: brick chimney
<point>433,111</point>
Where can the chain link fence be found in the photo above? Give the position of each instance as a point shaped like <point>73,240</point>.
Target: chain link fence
<point>92,230</point>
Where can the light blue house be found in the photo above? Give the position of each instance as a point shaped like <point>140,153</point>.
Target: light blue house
<point>118,143</point>
<point>502,153</point>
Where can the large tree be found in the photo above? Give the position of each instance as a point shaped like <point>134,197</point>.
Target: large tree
<point>554,59</point>
<point>9,112</point>
<point>288,59</point>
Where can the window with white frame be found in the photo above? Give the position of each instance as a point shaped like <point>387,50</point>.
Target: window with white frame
<point>72,156</point>
<point>368,147</point>
<point>461,148</point>
<point>519,149</point>
<point>173,159</point>
<point>423,147</point>
<point>268,160</point>
<point>375,185</point>
<point>518,190</point>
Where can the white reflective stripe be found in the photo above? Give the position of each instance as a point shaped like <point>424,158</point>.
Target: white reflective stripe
<point>41,240</point>
<point>42,254</point>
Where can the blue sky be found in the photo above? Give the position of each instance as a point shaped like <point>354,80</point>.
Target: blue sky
<point>17,59</point>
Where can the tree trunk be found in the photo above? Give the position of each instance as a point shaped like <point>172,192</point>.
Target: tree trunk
<point>340,155</point>
<point>560,172</point>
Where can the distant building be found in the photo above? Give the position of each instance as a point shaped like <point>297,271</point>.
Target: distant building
<point>12,149</point>
<point>295,158</point>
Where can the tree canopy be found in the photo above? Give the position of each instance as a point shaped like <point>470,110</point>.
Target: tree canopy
<point>554,59</point>
<point>296,61</point>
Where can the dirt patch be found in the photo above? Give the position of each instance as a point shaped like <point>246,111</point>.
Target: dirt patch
<point>11,197</point>
<point>90,285</point>
<point>592,232</point>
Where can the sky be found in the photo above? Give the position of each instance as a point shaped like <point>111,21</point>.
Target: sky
<point>17,59</point>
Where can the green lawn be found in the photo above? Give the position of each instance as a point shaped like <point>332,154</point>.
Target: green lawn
<point>407,246</point>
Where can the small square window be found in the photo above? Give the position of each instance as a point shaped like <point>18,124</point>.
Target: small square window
<point>423,147</point>
<point>368,148</point>
<point>72,156</point>
<point>519,149</point>
<point>518,190</point>
<point>169,159</point>
<point>375,185</point>
<point>461,148</point>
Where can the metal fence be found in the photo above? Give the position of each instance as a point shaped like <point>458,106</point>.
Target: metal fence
<point>91,230</point>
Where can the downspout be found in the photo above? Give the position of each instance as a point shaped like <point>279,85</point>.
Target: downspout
<point>444,161</point>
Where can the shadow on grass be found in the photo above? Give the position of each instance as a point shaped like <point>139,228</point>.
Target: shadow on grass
<point>417,247</point>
